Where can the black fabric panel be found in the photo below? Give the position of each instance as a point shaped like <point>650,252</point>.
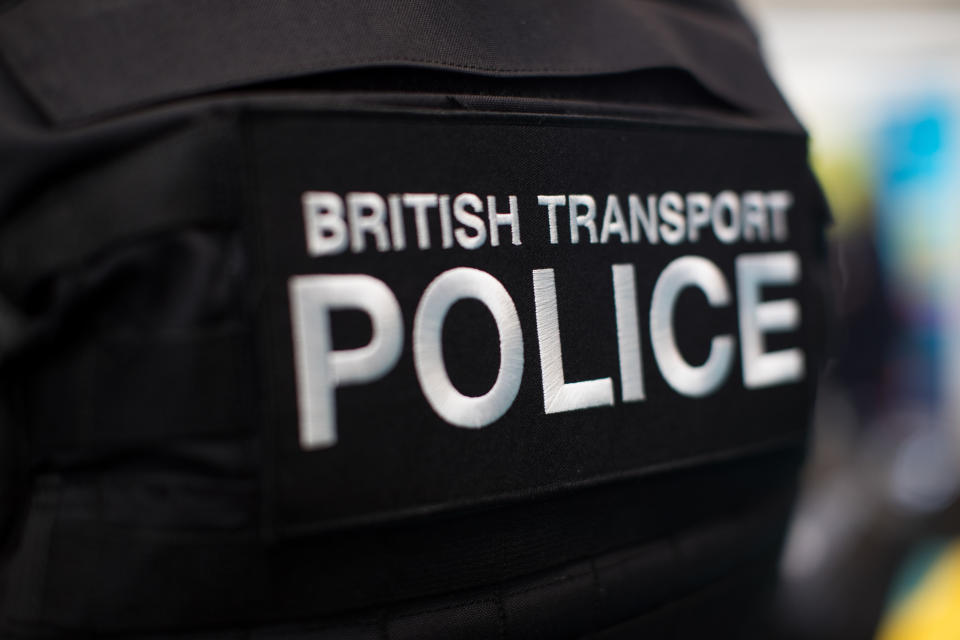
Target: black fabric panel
<point>552,606</point>
<point>192,386</point>
<point>180,179</point>
<point>714,611</point>
<point>144,345</point>
<point>620,592</point>
<point>20,588</point>
<point>86,59</point>
<point>473,620</point>
<point>636,579</point>
<point>14,460</point>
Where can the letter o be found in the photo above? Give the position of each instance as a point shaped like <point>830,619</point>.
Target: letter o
<point>441,294</point>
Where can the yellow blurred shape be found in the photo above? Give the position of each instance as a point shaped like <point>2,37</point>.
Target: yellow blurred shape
<point>844,176</point>
<point>932,610</point>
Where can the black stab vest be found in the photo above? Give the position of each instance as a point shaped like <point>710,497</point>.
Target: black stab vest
<point>425,319</point>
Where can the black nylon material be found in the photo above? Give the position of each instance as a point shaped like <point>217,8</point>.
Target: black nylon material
<point>696,526</point>
<point>152,157</point>
<point>160,51</point>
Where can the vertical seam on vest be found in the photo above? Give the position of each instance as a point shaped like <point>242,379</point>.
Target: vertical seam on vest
<point>253,242</point>
<point>382,629</point>
<point>596,593</point>
<point>37,542</point>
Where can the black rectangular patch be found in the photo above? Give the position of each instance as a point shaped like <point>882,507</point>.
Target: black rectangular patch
<point>393,454</point>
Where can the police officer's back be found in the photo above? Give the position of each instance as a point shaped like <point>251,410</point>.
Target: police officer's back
<point>388,320</point>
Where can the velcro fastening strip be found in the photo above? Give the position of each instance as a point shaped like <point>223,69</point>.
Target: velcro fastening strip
<point>470,309</point>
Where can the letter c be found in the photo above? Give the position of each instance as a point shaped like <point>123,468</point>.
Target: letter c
<point>686,379</point>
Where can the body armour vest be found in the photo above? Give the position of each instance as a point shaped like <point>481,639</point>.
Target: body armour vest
<point>387,320</point>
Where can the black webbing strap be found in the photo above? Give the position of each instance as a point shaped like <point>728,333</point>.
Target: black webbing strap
<point>121,578</point>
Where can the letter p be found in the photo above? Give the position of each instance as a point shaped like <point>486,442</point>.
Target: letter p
<point>319,368</point>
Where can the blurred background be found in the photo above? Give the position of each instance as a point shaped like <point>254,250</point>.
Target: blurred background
<point>874,550</point>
